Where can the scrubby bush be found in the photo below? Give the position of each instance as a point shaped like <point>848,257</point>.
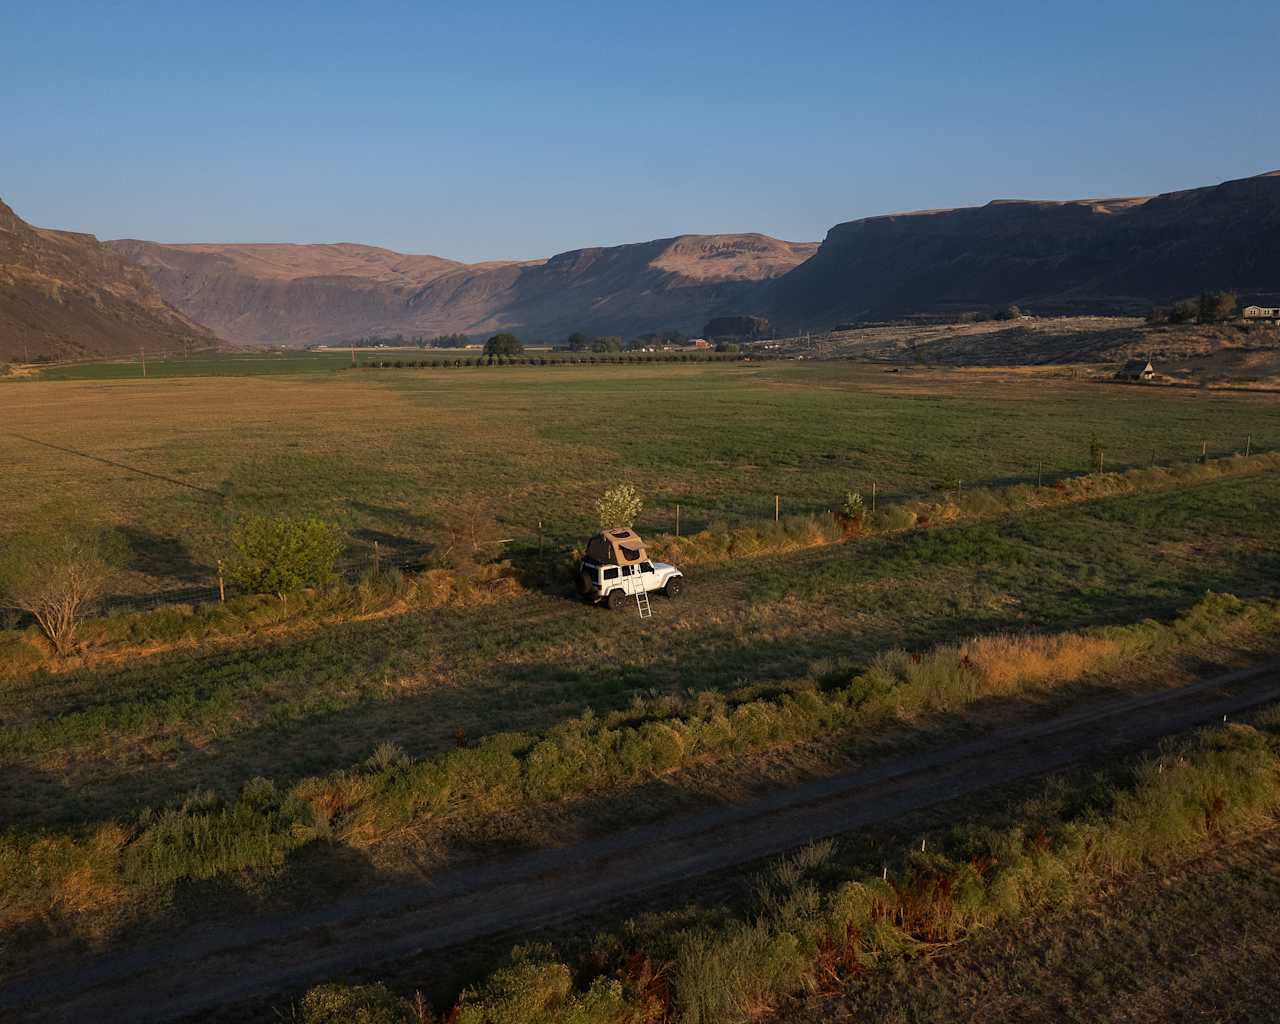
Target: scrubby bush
<point>281,554</point>
<point>619,507</point>
<point>853,508</point>
<point>536,987</point>
<point>354,1004</point>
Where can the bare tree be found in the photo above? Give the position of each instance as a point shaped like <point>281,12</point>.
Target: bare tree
<point>466,535</point>
<point>56,577</point>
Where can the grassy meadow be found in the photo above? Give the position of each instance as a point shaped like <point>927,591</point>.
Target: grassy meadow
<point>204,721</point>
<point>389,453</point>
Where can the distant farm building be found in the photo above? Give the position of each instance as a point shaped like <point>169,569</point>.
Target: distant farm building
<point>1137,369</point>
<point>698,343</point>
<point>1261,312</point>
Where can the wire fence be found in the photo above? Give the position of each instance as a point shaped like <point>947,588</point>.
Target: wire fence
<point>682,515</point>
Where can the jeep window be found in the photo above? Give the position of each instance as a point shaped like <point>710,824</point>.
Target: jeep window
<point>646,567</point>
<point>611,574</point>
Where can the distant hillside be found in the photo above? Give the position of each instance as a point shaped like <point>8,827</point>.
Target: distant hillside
<point>1084,256</point>
<point>304,293</point>
<point>64,294</point>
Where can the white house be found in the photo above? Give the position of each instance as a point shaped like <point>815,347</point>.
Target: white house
<point>1261,312</point>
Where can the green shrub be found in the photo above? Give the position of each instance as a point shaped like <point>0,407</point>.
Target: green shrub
<point>853,507</point>
<point>282,554</point>
<point>535,987</point>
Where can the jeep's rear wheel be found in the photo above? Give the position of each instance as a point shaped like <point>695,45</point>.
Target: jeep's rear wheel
<point>674,586</point>
<point>615,600</point>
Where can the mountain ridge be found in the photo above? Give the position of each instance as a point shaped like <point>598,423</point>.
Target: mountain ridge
<point>281,292</point>
<point>66,294</point>
<point>1119,255</point>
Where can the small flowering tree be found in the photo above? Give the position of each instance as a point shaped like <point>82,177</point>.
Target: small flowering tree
<point>619,506</point>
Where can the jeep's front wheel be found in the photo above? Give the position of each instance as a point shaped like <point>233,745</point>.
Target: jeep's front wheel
<point>615,600</point>
<point>674,586</point>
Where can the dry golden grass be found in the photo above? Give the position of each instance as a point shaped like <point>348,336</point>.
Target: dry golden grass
<point>1009,662</point>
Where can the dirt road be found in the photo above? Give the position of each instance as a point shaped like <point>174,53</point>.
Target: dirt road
<point>202,969</point>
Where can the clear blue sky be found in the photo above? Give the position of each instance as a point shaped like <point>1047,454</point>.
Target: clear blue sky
<point>505,130</point>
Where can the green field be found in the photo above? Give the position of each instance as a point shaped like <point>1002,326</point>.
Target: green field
<point>226,364</point>
<point>386,453</point>
<point>173,720</point>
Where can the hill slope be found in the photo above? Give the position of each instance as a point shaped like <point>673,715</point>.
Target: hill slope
<point>66,294</point>
<point>1084,256</point>
<point>306,293</point>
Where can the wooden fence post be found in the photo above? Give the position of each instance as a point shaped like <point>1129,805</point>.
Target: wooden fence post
<point>539,538</point>
<point>873,497</point>
<point>222,590</point>
<point>377,560</point>
<point>1248,445</point>
<point>1204,451</point>
<point>777,507</point>
<point>1040,473</point>
<point>677,519</point>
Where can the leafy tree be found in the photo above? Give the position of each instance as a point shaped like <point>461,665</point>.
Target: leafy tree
<point>578,342</point>
<point>503,345</point>
<point>619,507</point>
<point>56,576</point>
<point>281,554</point>
<point>1010,312</point>
<point>1184,312</point>
<point>727,346</point>
<point>606,344</point>
<point>1216,306</point>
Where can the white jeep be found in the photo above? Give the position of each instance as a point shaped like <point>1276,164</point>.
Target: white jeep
<point>616,566</point>
<point>613,584</point>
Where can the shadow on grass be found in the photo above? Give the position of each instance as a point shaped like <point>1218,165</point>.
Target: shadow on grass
<point>311,703</point>
<point>165,557</point>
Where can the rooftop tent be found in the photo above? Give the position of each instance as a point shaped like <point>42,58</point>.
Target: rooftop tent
<point>617,547</point>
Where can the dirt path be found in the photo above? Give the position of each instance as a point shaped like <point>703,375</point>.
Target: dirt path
<point>226,964</point>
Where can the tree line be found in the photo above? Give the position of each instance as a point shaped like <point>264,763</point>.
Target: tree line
<point>1210,307</point>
